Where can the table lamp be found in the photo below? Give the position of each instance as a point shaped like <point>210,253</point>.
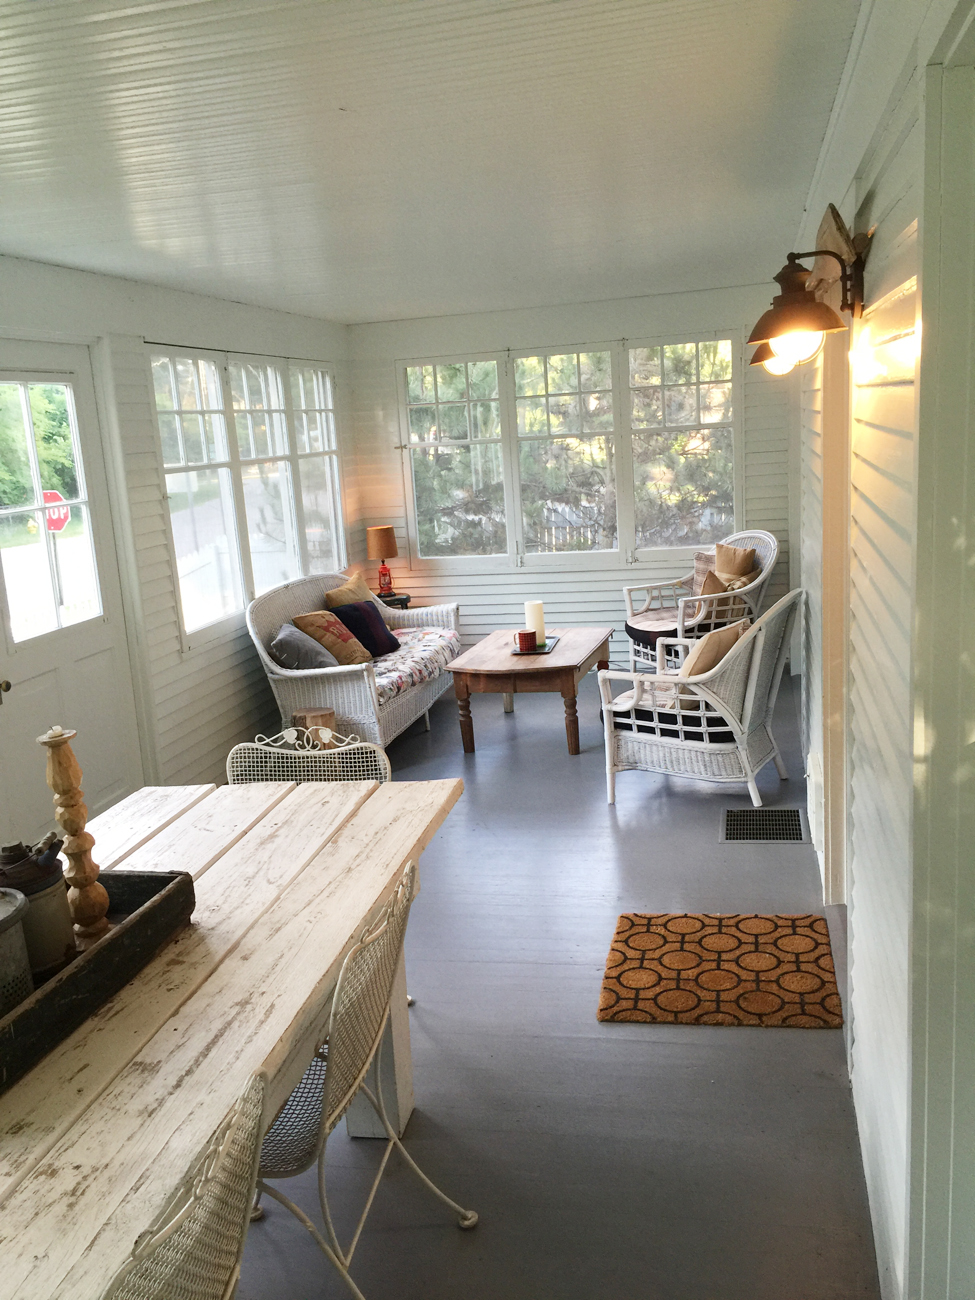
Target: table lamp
<point>381,546</point>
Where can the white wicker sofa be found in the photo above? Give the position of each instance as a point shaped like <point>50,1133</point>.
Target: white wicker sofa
<point>377,700</point>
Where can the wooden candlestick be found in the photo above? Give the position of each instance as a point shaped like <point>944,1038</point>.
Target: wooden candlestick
<point>87,898</point>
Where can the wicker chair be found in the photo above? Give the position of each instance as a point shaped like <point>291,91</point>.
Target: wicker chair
<point>350,690</point>
<point>715,726</point>
<point>294,755</point>
<point>193,1250</point>
<point>670,610</point>
<point>299,1134</point>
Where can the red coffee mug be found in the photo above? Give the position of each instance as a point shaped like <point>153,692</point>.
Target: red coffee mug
<point>526,640</point>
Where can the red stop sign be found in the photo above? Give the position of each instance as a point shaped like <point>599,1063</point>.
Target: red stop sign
<point>58,515</point>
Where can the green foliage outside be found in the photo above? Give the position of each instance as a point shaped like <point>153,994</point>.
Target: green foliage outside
<point>55,456</point>
<point>683,487</point>
<point>460,500</point>
<point>568,494</point>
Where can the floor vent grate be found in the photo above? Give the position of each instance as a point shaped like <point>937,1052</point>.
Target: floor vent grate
<point>780,824</point>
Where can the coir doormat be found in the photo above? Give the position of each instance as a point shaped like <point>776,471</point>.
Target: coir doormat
<point>702,969</point>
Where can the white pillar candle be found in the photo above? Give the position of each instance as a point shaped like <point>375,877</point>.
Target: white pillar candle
<point>535,619</point>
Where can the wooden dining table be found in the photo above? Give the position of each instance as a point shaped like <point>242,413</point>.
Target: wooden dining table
<point>95,1139</point>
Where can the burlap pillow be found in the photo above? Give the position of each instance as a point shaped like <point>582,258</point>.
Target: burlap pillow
<point>329,631</point>
<point>703,562</point>
<point>734,560</point>
<point>714,584</point>
<point>711,649</point>
<point>349,594</point>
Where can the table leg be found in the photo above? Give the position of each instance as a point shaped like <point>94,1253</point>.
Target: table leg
<point>464,712</point>
<point>509,701</point>
<point>571,723</point>
<point>397,1066</point>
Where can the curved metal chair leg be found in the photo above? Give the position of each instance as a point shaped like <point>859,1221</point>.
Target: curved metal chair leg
<point>780,767</point>
<point>257,1209</point>
<point>319,1240</point>
<point>465,1218</point>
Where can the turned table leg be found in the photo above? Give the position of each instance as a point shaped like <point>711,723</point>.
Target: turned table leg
<point>464,712</point>
<point>571,723</point>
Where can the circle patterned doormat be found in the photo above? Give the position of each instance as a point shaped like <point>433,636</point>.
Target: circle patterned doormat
<point>705,969</point>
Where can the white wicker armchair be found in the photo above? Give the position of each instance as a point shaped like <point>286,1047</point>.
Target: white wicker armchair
<point>669,609</point>
<point>716,726</point>
<point>349,690</point>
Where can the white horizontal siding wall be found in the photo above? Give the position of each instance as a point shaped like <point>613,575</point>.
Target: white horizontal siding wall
<point>573,592</point>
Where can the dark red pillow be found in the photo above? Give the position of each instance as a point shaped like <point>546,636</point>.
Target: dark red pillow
<point>365,622</point>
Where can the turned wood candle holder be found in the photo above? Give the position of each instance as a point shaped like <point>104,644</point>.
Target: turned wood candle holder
<point>87,897</point>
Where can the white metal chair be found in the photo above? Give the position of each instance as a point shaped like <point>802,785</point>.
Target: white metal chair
<point>715,726</point>
<point>294,755</point>
<point>193,1250</point>
<point>360,1010</point>
<point>669,610</point>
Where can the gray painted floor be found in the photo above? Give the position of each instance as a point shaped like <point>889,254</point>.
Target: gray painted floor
<point>665,1162</point>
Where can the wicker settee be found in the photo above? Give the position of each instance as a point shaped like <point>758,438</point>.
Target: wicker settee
<point>375,701</point>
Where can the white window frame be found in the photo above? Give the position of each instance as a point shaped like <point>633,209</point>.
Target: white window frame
<point>229,624</point>
<point>625,555</point>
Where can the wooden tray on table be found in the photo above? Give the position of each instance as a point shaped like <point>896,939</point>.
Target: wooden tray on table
<point>147,909</point>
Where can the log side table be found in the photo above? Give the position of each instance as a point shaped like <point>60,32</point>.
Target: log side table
<point>491,668</point>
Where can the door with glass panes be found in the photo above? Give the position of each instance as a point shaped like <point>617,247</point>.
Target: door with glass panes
<point>63,653</point>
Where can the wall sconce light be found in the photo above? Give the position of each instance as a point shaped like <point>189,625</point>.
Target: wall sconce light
<point>794,327</point>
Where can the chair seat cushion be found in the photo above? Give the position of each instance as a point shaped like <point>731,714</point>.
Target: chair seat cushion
<point>424,653</point>
<point>692,725</point>
<point>645,628</point>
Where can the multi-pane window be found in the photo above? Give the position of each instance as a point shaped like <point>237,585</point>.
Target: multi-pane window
<point>681,435</point>
<point>594,440</point>
<point>251,476</point>
<point>454,419</point>
<point>564,414</point>
<point>45,527</point>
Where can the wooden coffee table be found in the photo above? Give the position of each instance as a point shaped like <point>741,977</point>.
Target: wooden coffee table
<point>491,668</point>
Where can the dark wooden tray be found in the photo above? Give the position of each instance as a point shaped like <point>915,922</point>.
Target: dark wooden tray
<point>149,907</point>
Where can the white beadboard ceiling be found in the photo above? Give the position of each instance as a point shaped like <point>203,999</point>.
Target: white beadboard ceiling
<point>366,160</point>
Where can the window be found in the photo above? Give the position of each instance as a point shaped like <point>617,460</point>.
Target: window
<point>681,435</point>
<point>592,451</point>
<point>45,528</point>
<point>564,412</point>
<point>250,455</point>
<point>454,420</point>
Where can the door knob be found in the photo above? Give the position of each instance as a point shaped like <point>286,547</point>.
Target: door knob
<point>4,687</point>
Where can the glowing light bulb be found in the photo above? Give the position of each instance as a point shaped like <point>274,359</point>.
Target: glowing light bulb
<point>797,346</point>
<point>778,365</point>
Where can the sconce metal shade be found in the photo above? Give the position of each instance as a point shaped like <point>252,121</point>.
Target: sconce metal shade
<point>795,310</point>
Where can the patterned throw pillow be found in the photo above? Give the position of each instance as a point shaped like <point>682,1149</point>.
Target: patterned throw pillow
<point>703,561</point>
<point>364,621</point>
<point>331,632</point>
<point>351,592</point>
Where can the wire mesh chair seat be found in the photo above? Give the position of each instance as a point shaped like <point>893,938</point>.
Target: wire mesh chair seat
<point>716,725</point>
<point>296,754</point>
<point>338,1070</point>
<point>193,1250</point>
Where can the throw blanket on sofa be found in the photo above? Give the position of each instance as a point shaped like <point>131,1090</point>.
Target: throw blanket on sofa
<point>424,652</point>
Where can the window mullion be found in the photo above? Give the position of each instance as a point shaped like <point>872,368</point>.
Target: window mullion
<point>297,499</point>
<point>510,462</point>
<point>622,437</point>
<point>236,482</point>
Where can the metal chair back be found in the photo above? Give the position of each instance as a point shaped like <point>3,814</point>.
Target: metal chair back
<point>293,755</point>
<point>193,1250</point>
